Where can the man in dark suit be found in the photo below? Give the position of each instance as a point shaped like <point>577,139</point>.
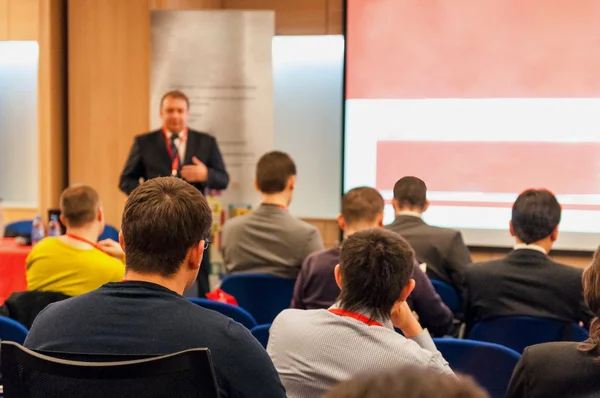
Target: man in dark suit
<point>527,282</point>
<point>178,151</point>
<point>442,249</point>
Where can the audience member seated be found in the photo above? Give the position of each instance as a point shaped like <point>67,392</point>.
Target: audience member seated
<point>315,349</point>
<point>270,240</point>
<point>362,208</point>
<point>408,382</point>
<point>166,223</point>
<point>564,369</point>
<point>442,249</point>
<point>76,263</point>
<point>527,282</point>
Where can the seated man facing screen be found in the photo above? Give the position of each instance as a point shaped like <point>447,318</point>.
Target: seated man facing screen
<point>442,249</point>
<point>316,287</point>
<point>315,349</point>
<point>527,282</point>
<point>270,240</point>
<point>76,263</point>
<point>166,223</point>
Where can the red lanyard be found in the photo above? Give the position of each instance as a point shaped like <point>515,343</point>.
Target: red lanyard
<point>175,159</point>
<point>79,238</point>
<point>358,317</point>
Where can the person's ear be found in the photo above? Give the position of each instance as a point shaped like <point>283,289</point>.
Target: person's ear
<point>380,220</point>
<point>554,234</point>
<point>511,228</point>
<point>256,185</point>
<point>395,204</point>
<point>426,206</point>
<point>407,290</point>
<point>341,222</point>
<point>291,183</point>
<point>122,241</point>
<point>195,256</point>
<point>337,273</point>
<point>62,219</point>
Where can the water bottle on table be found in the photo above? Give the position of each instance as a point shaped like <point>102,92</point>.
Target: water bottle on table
<point>54,226</point>
<point>38,232</point>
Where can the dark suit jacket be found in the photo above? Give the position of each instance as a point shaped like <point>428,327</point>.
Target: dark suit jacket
<point>526,282</point>
<point>150,158</point>
<point>555,370</point>
<point>442,249</point>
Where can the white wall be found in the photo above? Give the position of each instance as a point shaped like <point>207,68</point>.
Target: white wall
<point>308,84</point>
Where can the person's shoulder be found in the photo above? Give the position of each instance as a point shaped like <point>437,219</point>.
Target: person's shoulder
<point>301,225</point>
<point>559,351</point>
<point>565,269</point>
<point>201,134</point>
<point>321,255</point>
<point>70,307</point>
<point>484,268</point>
<point>148,135</point>
<point>236,222</point>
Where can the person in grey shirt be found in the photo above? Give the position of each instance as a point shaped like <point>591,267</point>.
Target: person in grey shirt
<point>315,349</point>
<point>270,240</point>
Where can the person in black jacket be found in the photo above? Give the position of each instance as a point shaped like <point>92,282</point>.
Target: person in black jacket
<point>176,150</point>
<point>564,369</point>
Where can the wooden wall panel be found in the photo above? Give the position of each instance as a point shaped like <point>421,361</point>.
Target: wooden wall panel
<point>23,19</point>
<point>330,232</point>
<point>292,17</point>
<point>4,19</point>
<point>11,214</point>
<point>52,134</point>
<point>109,61</point>
<point>335,17</point>
<point>186,4</point>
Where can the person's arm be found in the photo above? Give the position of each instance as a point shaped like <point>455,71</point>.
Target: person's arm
<point>218,178</point>
<point>133,170</point>
<point>458,260</point>
<point>251,371</point>
<point>403,319</point>
<point>433,314</point>
<point>519,382</point>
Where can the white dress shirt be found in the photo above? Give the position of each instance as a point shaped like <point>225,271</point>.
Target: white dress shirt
<point>524,246</point>
<point>409,213</point>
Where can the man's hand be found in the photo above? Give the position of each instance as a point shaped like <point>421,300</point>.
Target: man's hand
<point>403,318</point>
<point>112,248</point>
<point>198,172</point>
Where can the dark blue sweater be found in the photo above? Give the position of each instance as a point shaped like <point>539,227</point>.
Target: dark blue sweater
<point>131,318</point>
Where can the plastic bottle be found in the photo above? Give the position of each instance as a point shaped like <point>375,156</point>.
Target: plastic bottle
<point>54,226</point>
<point>38,232</point>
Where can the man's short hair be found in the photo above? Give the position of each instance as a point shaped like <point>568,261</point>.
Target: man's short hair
<point>361,204</point>
<point>410,192</point>
<point>376,265</point>
<point>163,218</point>
<point>273,171</point>
<point>535,214</point>
<point>175,94</point>
<point>79,205</point>
<point>408,382</point>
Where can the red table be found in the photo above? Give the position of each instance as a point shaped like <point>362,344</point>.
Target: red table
<point>12,267</point>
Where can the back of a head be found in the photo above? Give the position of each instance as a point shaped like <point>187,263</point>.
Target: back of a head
<point>362,204</point>
<point>79,205</point>
<point>535,215</point>
<point>409,383</point>
<point>410,192</point>
<point>273,171</point>
<point>591,294</point>
<point>375,266</point>
<point>163,218</point>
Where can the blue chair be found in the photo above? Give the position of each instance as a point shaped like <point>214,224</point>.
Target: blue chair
<point>519,332</point>
<point>449,296</point>
<point>11,330</point>
<point>238,314</point>
<point>261,333</point>
<point>19,227</point>
<point>263,296</point>
<point>109,232</point>
<point>490,364</point>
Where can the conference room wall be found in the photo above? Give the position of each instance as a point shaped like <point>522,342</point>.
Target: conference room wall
<point>42,21</point>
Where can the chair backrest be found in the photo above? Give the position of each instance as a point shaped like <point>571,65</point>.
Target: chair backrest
<point>11,330</point>
<point>263,296</point>
<point>19,227</point>
<point>236,313</point>
<point>519,332</point>
<point>490,364</point>
<point>186,374</point>
<point>261,333</point>
<point>109,232</point>
<point>449,296</point>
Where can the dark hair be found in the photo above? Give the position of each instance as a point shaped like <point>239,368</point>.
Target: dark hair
<point>273,171</point>
<point>175,94</point>
<point>361,204</point>
<point>163,218</point>
<point>409,382</point>
<point>376,265</point>
<point>591,294</point>
<point>535,214</point>
<point>410,192</point>
<point>79,204</point>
